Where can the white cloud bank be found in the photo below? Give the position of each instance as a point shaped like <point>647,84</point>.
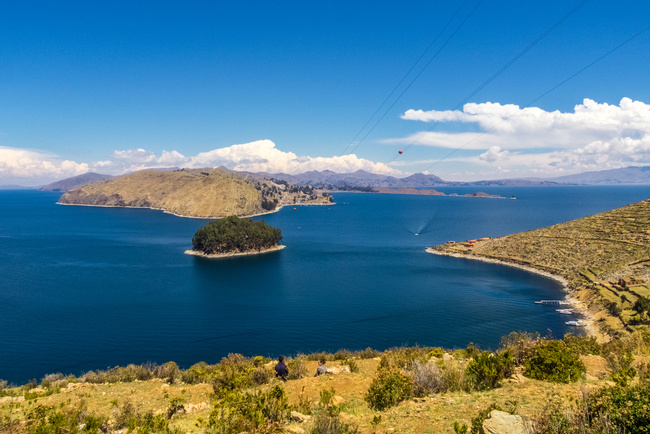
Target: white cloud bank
<point>17,164</point>
<point>593,137</point>
<point>259,156</point>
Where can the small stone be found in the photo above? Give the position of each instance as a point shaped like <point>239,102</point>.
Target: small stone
<point>299,417</point>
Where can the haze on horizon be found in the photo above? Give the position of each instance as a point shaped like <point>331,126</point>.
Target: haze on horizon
<point>473,91</point>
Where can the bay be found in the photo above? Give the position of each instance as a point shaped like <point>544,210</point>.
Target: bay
<point>85,288</point>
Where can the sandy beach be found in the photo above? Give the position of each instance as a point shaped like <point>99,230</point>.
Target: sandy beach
<point>228,255</point>
<point>576,304</point>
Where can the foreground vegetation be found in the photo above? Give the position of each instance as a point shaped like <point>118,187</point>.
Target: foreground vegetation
<point>571,385</point>
<point>233,234</point>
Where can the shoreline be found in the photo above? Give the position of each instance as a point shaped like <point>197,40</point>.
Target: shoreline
<point>192,216</point>
<point>229,255</point>
<point>577,305</point>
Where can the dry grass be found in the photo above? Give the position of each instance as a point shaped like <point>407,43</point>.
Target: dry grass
<point>435,413</point>
<point>206,193</point>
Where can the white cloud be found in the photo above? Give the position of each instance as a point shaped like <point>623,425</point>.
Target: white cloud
<point>595,136</point>
<point>258,156</point>
<point>494,154</point>
<point>24,164</point>
<point>263,156</point>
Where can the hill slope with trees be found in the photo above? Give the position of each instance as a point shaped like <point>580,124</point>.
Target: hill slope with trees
<point>235,235</point>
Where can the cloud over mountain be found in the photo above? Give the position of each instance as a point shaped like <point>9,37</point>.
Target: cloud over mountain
<point>258,156</point>
<point>593,136</point>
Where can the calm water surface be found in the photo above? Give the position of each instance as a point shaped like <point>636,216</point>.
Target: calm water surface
<point>86,288</point>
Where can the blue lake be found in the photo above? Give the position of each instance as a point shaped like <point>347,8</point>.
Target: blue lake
<point>86,288</point>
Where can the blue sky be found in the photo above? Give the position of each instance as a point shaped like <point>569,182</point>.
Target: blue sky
<point>116,86</point>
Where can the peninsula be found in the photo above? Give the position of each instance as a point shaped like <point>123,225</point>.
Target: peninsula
<point>202,193</point>
<point>604,260</point>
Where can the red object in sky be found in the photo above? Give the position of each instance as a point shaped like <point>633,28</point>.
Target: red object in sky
<point>400,151</point>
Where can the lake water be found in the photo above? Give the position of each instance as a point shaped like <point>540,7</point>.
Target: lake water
<point>86,288</point>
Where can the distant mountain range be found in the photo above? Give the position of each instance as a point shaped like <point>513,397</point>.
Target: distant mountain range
<point>75,182</point>
<point>366,181</point>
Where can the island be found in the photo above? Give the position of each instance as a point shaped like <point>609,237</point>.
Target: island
<point>202,193</point>
<point>233,236</point>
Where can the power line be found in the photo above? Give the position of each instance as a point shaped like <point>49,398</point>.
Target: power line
<point>541,96</point>
<point>413,80</point>
<point>495,75</point>
<point>406,75</point>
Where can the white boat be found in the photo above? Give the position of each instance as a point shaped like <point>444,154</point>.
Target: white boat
<point>564,311</point>
<point>576,323</point>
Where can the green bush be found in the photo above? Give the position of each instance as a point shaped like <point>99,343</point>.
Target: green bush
<point>48,420</point>
<point>327,420</point>
<point>237,412</point>
<point>390,387</point>
<point>232,234</point>
<point>583,344</point>
<point>642,304</point>
<point>627,408</point>
<point>486,370</point>
<point>554,361</point>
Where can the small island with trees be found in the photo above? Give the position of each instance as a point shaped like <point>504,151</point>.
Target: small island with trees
<point>232,236</point>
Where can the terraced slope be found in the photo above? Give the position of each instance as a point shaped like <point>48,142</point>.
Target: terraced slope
<point>206,193</point>
<point>604,257</point>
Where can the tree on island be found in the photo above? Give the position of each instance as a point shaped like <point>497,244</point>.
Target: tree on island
<point>232,234</point>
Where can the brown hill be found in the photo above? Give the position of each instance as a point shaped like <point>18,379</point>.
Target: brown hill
<point>604,257</point>
<point>205,193</point>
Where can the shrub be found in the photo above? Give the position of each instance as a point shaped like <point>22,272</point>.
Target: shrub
<point>390,387</point>
<point>305,404</point>
<point>238,412</point>
<point>342,355</point>
<point>624,407</point>
<point>46,420</point>
<point>612,307</point>
<point>168,371</point>
<point>583,344</point>
<point>486,370</point>
<point>522,345</point>
<point>327,420</point>
<point>199,373</point>
<point>553,361</point>
<point>325,423</point>
<point>402,357</point>
<point>556,418</point>
<point>427,378</point>
<point>453,375</point>
<point>297,367</point>
<point>642,304</point>
<point>623,370</point>
<point>237,372</point>
<point>368,353</point>
<point>352,364</point>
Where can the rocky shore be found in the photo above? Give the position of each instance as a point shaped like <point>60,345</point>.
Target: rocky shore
<point>231,254</point>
